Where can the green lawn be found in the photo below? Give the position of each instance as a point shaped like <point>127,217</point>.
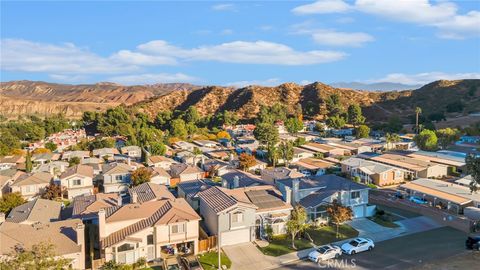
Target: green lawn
<point>209,260</point>
<point>282,244</point>
<point>382,222</point>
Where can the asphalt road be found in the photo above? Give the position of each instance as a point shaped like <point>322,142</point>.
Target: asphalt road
<point>398,253</point>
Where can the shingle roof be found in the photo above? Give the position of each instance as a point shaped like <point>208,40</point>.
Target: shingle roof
<point>116,168</point>
<point>216,199</point>
<point>157,171</point>
<point>316,198</point>
<point>282,173</point>
<point>33,179</point>
<point>372,166</point>
<point>156,159</point>
<point>88,204</point>
<point>61,234</point>
<point>191,188</point>
<point>327,181</point>
<point>150,191</point>
<point>164,212</point>
<point>244,179</point>
<point>181,168</point>
<point>38,210</point>
<point>79,169</point>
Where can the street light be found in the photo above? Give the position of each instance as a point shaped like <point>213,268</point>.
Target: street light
<point>218,243</point>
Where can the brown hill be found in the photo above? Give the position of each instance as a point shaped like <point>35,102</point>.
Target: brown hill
<point>31,97</point>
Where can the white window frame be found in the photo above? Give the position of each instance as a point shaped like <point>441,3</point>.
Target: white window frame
<point>180,228</point>
<point>237,217</point>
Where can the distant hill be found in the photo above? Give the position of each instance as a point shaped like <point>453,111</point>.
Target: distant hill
<point>449,98</point>
<point>42,98</point>
<point>381,86</point>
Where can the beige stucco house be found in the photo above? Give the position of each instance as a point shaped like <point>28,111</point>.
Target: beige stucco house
<point>30,185</point>
<point>77,180</point>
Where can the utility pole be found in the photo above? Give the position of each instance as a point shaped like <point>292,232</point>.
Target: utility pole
<point>218,244</point>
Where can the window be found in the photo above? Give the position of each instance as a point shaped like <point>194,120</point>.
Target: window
<point>237,217</point>
<point>355,194</point>
<point>125,247</point>
<point>77,182</point>
<point>150,239</point>
<point>179,228</point>
<point>118,177</point>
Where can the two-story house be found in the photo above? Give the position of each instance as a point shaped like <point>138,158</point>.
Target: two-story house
<point>30,185</point>
<point>38,210</point>
<point>105,153</point>
<point>116,177</point>
<point>231,219</point>
<point>77,180</point>
<point>160,162</point>
<point>316,193</point>
<point>181,172</point>
<point>150,230</point>
<point>371,172</point>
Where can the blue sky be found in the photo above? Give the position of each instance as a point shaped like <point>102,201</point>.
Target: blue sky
<point>240,43</point>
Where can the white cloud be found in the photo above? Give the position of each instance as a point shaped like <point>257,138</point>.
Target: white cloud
<point>442,15</point>
<point>322,6</point>
<point>424,78</point>
<point>239,52</point>
<point>24,55</point>
<point>267,82</point>
<point>334,38</point>
<point>224,7</point>
<point>150,78</point>
<point>68,78</point>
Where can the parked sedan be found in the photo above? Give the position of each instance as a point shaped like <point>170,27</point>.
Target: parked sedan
<point>172,264</point>
<point>418,200</point>
<point>325,252</point>
<point>358,245</point>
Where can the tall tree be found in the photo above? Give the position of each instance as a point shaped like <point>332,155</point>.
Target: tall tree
<point>40,256</point>
<point>355,116</point>
<point>297,223</point>
<point>338,214</point>
<point>473,168</point>
<point>391,138</point>
<point>141,175</point>
<point>192,115</point>
<point>447,136</point>
<point>273,154</point>
<point>266,133</point>
<point>178,128</point>
<point>294,125</point>
<point>418,111</point>
<point>52,191</point>
<point>286,151</point>
<point>73,161</point>
<point>336,121</point>
<point>334,106</point>
<point>28,162</point>
<point>426,140</point>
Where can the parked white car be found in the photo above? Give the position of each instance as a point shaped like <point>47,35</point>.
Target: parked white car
<point>358,245</point>
<point>325,252</point>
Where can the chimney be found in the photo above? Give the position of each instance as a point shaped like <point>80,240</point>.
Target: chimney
<point>101,224</point>
<point>236,181</point>
<point>287,196</point>
<point>119,201</point>
<point>2,218</point>
<point>80,229</point>
<point>134,197</point>
<point>295,188</point>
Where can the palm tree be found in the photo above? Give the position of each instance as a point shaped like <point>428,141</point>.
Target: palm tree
<point>391,138</point>
<point>418,111</point>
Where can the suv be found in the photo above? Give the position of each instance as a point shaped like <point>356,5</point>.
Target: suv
<point>191,263</point>
<point>473,242</point>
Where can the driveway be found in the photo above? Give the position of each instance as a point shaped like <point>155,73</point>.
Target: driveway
<point>248,257</point>
<point>376,232</point>
<point>418,224</point>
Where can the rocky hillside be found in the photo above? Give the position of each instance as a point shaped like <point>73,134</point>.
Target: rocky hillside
<point>451,98</point>
<point>29,97</point>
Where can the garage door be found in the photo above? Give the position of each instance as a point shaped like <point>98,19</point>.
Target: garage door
<point>358,211</point>
<point>235,237</point>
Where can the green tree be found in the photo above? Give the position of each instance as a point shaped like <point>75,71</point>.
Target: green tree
<point>163,119</point>
<point>418,111</point>
<point>8,142</point>
<point>334,106</point>
<point>141,175</point>
<point>266,133</point>
<point>51,146</point>
<point>191,115</point>
<point>40,256</point>
<point>286,151</point>
<point>473,168</point>
<point>10,201</point>
<point>355,116</point>
<point>158,148</point>
<point>73,161</point>
<point>391,138</point>
<point>178,128</point>
<point>272,154</point>
<point>28,162</point>
<point>394,124</point>
<point>297,223</point>
<point>447,136</point>
<point>338,214</point>
<point>426,140</point>
<point>294,125</point>
<point>227,118</point>
<point>362,131</point>
<point>52,191</point>
<point>336,121</point>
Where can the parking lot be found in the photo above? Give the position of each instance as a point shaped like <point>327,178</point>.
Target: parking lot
<point>399,253</point>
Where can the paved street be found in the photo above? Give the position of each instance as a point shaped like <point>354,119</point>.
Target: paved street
<point>399,253</point>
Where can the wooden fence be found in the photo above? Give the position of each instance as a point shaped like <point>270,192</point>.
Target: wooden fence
<point>207,243</point>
